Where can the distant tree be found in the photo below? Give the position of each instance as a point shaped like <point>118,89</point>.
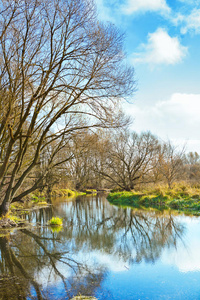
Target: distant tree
<point>192,158</point>
<point>80,167</point>
<point>89,153</point>
<point>192,166</point>
<point>170,163</point>
<point>129,158</point>
<point>61,71</point>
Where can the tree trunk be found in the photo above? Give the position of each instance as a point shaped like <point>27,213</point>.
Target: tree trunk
<point>4,208</point>
<point>127,188</point>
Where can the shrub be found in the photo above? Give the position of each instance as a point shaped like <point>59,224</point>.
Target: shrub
<point>56,221</point>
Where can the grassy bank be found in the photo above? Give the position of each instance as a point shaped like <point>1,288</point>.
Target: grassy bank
<point>40,198</point>
<point>36,200</point>
<point>181,198</point>
<point>66,193</point>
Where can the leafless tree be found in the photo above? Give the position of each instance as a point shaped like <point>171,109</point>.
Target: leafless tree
<point>130,158</point>
<point>170,163</point>
<point>89,156</point>
<point>192,166</point>
<point>61,71</point>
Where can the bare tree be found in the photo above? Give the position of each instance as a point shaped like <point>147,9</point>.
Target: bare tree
<point>192,166</point>
<point>60,71</point>
<point>170,162</point>
<point>89,156</point>
<point>129,158</point>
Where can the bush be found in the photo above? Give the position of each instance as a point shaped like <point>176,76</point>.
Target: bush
<point>56,221</point>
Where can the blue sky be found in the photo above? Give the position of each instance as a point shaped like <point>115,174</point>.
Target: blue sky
<point>162,42</point>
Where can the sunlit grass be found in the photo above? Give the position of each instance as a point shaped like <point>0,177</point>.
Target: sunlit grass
<point>181,197</point>
<point>66,193</point>
<point>56,221</point>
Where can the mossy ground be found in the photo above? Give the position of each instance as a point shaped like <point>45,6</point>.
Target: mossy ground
<point>182,198</point>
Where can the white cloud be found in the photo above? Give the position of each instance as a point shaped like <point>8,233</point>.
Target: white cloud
<point>188,259</point>
<point>145,5</point>
<point>111,261</point>
<point>187,105</point>
<point>187,22</point>
<point>183,261</point>
<point>191,22</point>
<point>177,118</point>
<point>161,48</point>
<point>104,12</point>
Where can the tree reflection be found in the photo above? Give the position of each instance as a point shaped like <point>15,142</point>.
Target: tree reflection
<point>13,286</point>
<point>33,262</point>
<point>124,232</point>
<point>30,262</point>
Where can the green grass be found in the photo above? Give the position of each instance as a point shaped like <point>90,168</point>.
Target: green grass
<point>37,199</point>
<point>66,193</point>
<point>180,198</point>
<point>56,221</point>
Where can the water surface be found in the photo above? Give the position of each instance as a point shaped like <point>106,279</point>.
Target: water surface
<point>103,251</point>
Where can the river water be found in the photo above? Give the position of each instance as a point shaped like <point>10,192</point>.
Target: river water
<point>103,251</point>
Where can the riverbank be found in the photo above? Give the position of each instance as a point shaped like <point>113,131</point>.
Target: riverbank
<point>181,198</point>
<point>36,201</point>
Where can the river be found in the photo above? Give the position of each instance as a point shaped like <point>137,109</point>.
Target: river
<point>103,251</point>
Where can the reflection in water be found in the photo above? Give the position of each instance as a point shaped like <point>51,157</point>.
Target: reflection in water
<point>119,230</point>
<point>30,259</point>
<point>37,263</point>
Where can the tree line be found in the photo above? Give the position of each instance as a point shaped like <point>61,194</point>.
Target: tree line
<point>123,160</point>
